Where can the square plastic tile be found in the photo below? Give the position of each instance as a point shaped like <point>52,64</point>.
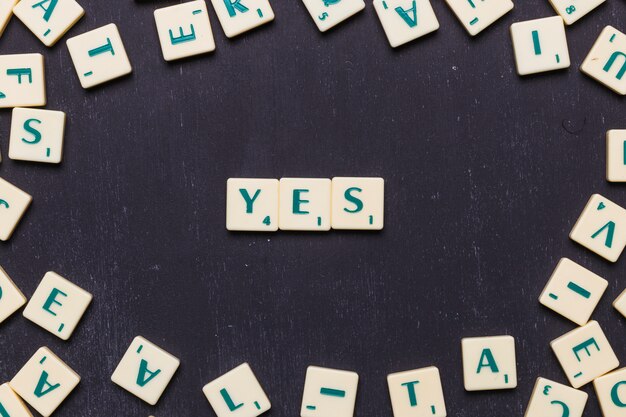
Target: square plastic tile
<point>329,13</point>
<point>606,62</point>
<point>13,205</point>
<point>99,56</point>
<point>11,298</point>
<point>145,370</point>
<point>37,135</point>
<point>305,204</point>
<point>184,30</point>
<point>477,15</point>
<point>329,393</point>
<point>22,81</point>
<point>239,16</point>
<point>585,354</point>
<point>358,203</point>
<point>417,393</point>
<point>252,204</point>
<point>45,382</point>
<point>540,45</point>
<point>573,291</point>
<point>550,398</point>
<point>49,20</point>
<point>489,363</point>
<point>237,393</point>
<point>406,20</point>
<point>601,228</point>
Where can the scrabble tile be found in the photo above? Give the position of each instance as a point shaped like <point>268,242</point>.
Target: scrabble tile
<point>489,363</point>
<point>145,370</point>
<point>252,204</point>
<point>11,298</point>
<point>57,305</point>
<point>22,80</point>
<point>239,16</point>
<point>616,155</point>
<point>6,11</point>
<point>237,393</point>
<point>601,228</point>
<point>477,15</point>
<point>417,393</point>
<point>572,10</point>
<point>620,303</point>
<point>45,382</point>
<point>573,291</point>
<point>184,30</point>
<point>329,393</point>
<point>406,20</point>
<point>10,404</point>
<point>584,354</point>
<point>49,20</point>
<point>13,205</point>
<point>550,398</point>
<point>611,393</point>
<point>358,203</point>
<point>37,135</point>
<point>304,204</point>
<point>540,45</point>
<point>99,56</point>
<point>606,61</point>
<point>329,13</point>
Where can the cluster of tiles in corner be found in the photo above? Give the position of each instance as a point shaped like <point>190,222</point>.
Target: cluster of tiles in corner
<point>309,204</point>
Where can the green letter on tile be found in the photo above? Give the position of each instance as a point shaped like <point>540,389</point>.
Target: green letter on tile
<point>585,346</point>
<point>404,14</point>
<point>52,300</point>
<point>234,6</point>
<point>143,371</point>
<point>36,134</point>
<point>40,391</point>
<point>297,201</point>
<point>491,362</point>
<point>411,387</point>
<point>48,10</point>
<point>229,401</point>
<point>354,200</point>
<point>249,201</point>
<point>610,226</point>
<point>615,395</point>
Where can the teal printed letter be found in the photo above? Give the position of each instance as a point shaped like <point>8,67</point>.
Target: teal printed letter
<point>354,200</point>
<point>234,6</point>
<point>404,14</point>
<point>48,10</point>
<point>143,371</point>
<point>40,391</point>
<point>3,411</point>
<point>297,202</point>
<point>585,346</point>
<point>183,38</point>
<point>249,201</point>
<point>36,134</point>
<point>615,395</point>
<point>411,387</point>
<point>229,401</point>
<point>611,61</point>
<point>610,226</point>
<point>52,300</point>
<point>491,362</point>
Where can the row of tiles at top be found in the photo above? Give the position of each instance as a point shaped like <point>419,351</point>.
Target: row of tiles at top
<point>49,20</point>
<point>184,30</point>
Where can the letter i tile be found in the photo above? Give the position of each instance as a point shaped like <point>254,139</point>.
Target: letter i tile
<point>44,382</point>
<point>145,370</point>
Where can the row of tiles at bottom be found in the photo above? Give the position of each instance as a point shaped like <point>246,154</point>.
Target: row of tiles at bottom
<point>489,363</point>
